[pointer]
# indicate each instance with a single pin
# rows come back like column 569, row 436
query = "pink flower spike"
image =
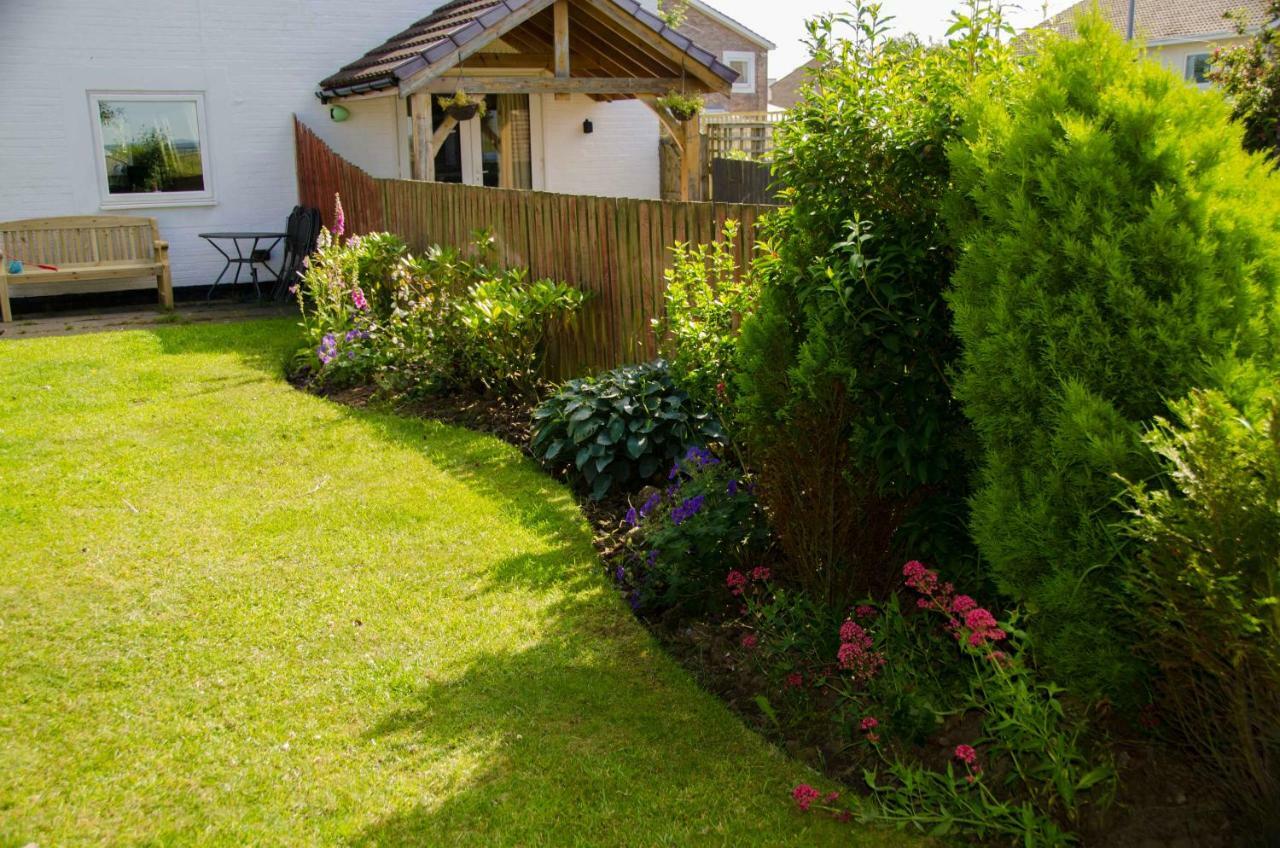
column 750, row 641
column 865, row 611
column 339, row 219
column 869, row 723
column 358, row 298
column 735, row 580
column 795, row 680
column 962, row 604
column 966, row 754
column 760, row 572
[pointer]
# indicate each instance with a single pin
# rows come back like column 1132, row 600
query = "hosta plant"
column 621, row 429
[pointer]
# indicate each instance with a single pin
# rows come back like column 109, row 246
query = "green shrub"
column 1207, row 593
column 443, row 321
column 705, row 521
column 621, row 429
column 845, row 403
column 1116, row 243
column 706, row 296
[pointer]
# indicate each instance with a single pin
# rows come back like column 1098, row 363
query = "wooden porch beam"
column 543, row 85
column 664, row 117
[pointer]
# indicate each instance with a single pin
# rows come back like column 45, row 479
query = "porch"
column 523, row 59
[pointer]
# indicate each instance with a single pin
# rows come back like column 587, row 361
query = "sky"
column 782, row 21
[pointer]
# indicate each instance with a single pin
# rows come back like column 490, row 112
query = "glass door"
column 505, row 138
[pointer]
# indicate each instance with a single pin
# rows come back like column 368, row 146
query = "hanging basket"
column 683, row 115
column 463, row 112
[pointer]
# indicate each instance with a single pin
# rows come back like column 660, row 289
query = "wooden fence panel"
column 615, row 249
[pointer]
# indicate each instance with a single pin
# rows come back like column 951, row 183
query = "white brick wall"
column 258, row 62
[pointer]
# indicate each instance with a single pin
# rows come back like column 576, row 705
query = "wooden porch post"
column 422, row 151
column 691, row 160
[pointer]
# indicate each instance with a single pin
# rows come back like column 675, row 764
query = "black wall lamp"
column 587, row 127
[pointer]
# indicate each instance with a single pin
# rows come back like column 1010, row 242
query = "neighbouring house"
column 785, row 92
column 737, row 46
column 182, row 110
column 1182, row 34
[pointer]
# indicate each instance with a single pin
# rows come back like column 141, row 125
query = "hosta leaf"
column 581, row 459
column 636, row 446
column 556, row 447
column 601, row 486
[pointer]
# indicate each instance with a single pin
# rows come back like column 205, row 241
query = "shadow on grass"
column 263, row 344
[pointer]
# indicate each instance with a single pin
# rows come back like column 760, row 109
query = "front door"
column 495, row 149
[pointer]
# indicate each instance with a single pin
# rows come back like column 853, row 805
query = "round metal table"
column 237, row 255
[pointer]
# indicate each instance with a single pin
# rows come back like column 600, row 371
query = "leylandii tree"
column 1117, row 248
column 844, row 399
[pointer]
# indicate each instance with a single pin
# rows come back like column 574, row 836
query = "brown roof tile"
column 1162, row 20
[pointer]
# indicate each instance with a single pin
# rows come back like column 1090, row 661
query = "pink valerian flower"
column 750, row 641
column 982, row 627
column 961, row 604
column 869, row 723
column 795, row 680
column 864, row 611
column 920, row 578
column 339, row 219
column 358, row 298
column 967, row 755
column 736, row 581
column 805, row 795
column 856, row 654
column 760, row 572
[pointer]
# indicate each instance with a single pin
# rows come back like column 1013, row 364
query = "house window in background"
column 152, row 149
column 745, row 64
column 1198, row 68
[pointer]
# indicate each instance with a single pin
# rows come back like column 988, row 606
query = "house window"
column 745, row 64
column 152, row 149
column 1198, row 68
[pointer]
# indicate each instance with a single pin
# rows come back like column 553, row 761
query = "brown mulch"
column 1163, row 800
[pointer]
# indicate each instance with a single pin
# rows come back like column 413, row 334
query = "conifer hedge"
column 1117, row 248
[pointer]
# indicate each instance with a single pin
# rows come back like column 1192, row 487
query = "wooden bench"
column 91, row 253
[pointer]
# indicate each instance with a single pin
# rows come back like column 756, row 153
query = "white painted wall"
column 257, row 63
column 618, row 159
column 1174, row 56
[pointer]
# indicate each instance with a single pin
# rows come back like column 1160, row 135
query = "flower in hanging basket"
column 683, row 107
column 462, row 106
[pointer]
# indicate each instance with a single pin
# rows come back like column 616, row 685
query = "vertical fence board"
column 616, row 250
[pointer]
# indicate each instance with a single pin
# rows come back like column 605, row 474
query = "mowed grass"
column 235, row 614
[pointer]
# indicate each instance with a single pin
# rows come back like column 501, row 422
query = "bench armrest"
column 161, row 244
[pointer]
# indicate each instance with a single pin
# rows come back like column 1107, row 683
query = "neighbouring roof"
column 732, row 23
column 462, row 27
column 1158, row 21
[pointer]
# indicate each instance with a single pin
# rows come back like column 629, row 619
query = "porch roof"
column 612, row 40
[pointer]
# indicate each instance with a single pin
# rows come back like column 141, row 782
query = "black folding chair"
column 301, row 234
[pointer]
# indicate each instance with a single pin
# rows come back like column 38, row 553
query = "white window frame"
column 746, row 83
column 1189, row 68
column 156, row 198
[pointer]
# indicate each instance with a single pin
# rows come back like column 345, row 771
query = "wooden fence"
column 615, row 249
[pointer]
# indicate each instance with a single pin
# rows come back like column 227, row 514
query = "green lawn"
column 232, row 614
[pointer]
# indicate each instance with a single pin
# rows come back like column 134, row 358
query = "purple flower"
column 675, row 472
column 687, row 510
column 634, row 599
column 733, row 488
column 632, row 518
column 358, row 298
column 356, row 335
column 328, row 349
column 620, row 574
column 652, row 558
column 650, row 505
column 702, row 456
